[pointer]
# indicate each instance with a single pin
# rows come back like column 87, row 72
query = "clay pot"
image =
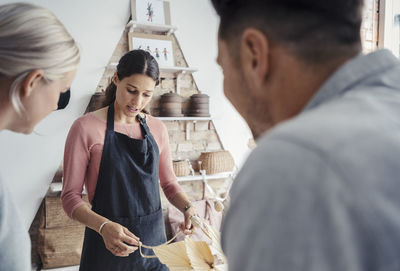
column 171, row 98
column 199, row 105
column 170, row 105
column 200, row 98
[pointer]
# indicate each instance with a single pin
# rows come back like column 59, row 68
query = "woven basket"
column 181, row 167
column 60, row 239
column 216, row 162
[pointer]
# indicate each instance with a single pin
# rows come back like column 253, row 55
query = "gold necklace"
column 130, row 134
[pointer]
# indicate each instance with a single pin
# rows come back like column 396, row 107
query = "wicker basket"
column 216, row 162
column 181, row 167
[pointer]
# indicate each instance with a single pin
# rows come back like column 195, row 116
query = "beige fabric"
column 205, row 209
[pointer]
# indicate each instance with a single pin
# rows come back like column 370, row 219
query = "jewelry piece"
column 130, row 134
column 187, row 207
column 102, row 225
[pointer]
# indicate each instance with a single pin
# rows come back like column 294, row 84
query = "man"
column 320, row 191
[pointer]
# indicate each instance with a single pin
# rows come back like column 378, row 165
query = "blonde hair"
column 31, row 37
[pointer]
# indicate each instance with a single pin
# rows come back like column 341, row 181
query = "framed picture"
column 159, row 46
column 151, row 11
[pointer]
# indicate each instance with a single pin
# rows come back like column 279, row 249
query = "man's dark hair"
column 313, row 30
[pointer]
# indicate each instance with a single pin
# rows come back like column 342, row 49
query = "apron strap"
column 143, row 124
column 110, row 117
column 146, row 132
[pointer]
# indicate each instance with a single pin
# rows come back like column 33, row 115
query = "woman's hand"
column 119, row 240
column 186, row 226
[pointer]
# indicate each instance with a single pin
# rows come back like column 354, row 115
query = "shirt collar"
column 352, row 73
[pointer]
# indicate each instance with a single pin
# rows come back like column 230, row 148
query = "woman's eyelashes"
column 132, row 91
column 135, row 91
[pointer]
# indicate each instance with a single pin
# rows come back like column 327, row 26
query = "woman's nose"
column 137, row 100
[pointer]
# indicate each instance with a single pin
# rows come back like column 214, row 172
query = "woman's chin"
column 22, row 130
column 21, row 127
column 28, row 130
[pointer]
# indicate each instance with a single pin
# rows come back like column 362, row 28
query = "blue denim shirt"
column 321, row 192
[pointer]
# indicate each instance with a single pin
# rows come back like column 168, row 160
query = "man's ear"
column 254, row 54
column 32, row 80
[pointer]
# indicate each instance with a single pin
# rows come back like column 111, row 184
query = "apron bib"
column 127, row 192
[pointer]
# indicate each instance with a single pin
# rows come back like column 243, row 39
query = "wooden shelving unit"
column 175, row 69
column 166, row 29
column 57, row 187
column 199, row 177
column 185, row 118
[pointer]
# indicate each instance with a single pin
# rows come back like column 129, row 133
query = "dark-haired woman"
column 120, row 154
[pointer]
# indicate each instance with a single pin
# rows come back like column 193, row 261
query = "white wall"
column 389, row 36
column 28, row 163
column 197, row 34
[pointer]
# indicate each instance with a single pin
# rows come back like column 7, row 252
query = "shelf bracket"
column 131, row 26
column 187, row 130
column 187, row 126
column 178, row 82
column 171, row 31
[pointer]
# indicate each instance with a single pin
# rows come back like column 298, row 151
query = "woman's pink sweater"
column 82, row 156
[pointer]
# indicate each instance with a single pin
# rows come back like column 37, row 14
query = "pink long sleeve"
column 168, row 180
column 76, row 159
column 83, row 151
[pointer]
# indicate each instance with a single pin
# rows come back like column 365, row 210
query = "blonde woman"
column 38, row 61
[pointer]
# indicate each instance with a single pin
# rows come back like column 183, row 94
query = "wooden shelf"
column 177, row 70
column 168, row 29
column 185, row 118
column 199, row 177
column 57, row 187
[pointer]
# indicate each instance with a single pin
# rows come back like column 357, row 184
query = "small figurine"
column 165, row 52
column 150, row 12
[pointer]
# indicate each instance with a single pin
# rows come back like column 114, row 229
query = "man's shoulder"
column 352, row 136
column 341, row 123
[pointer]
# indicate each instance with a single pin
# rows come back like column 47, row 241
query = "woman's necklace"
column 129, row 132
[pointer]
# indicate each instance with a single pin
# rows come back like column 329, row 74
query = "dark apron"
column 127, row 193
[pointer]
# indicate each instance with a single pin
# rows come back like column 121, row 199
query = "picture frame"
column 161, row 47
column 151, row 11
